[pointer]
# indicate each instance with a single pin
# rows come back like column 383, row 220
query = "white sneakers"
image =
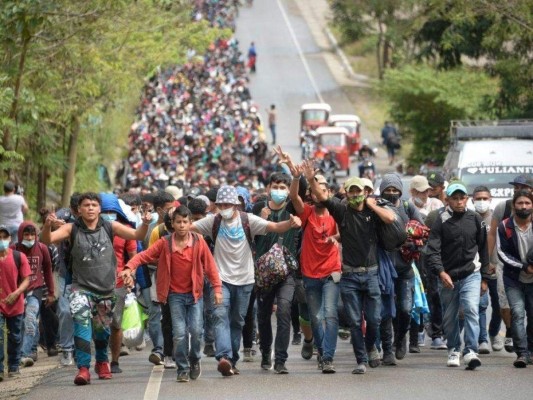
column 471, row 359
column 454, row 359
column 484, row 348
column 496, row 342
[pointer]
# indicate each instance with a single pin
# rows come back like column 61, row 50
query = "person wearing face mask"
column 232, row 239
column 457, row 236
column 125, row 249
column 503, row 210
column 41, row 278
column 482, row 199
column 420, row 188
column 391, row 190
column 14, row 279
column 275, row 210
column 515, row 245
column 358, row 220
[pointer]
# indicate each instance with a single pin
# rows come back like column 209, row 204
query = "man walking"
column 457, row 235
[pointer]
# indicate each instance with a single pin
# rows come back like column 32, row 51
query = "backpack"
column 74, row 232
column 274, row 266
column 245, row 225
column 16, row 256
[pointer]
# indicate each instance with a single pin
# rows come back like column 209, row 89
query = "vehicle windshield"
column 497, row 183
column 351, row 126
column 332, row 140
column 315, row 115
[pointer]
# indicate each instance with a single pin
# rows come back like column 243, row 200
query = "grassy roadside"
column 370, row 106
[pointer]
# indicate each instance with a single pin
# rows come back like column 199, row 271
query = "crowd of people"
column 212, row 236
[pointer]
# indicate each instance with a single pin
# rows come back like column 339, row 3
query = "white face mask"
column 228, row 213
column 481, row 206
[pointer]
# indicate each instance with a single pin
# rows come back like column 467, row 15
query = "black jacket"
column 508, row 251
column 454, row 240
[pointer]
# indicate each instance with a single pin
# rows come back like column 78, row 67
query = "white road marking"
column 300, row 53
column 154, row 383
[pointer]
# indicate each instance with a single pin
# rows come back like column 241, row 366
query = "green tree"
column 423, row 101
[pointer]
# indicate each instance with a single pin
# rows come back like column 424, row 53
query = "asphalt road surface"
column 290, row 72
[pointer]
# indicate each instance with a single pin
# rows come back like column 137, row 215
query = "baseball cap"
column 454, row 187
column 321, row 179
column 435, row 179
column 4, row 228
column 175, row 191
column 227, row 195
column 526, row 180
column 368, row 183
column 420, row 183
column 357, row 182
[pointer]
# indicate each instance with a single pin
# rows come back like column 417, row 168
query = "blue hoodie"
column 245, row 194
column 110, row 203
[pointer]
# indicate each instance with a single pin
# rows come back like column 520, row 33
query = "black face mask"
column 393, row 198
column 523, row 214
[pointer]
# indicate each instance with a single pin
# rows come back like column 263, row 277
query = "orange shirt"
column 318, row 259
column 181, row 267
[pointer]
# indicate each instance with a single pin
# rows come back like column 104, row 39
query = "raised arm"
column 60, row 234
column 125, row 232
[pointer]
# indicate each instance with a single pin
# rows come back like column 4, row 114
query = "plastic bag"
column 132, row 322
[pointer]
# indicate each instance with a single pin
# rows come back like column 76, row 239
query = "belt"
column 346, row 269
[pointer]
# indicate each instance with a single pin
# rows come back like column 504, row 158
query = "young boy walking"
column 183, row 259
column 14, row 280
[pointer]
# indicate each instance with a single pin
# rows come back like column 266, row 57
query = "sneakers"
column 13, row 373
column 266, row 360
column 52, row 351
column 484, row 348
column 438, row 344
column 413, row 348
column 508, row 344
column 520, row 362
column 247, row 355
column 183, row 376
column 360, row 369
column 373, row 358
column 344, row 334
column 421, row 339
column 156, row 359
column 281, row 369
column 141, row 346
column 169, row 363
column 26, row 362
column 389, row 359
column 496, row 342
column 209, row 350
column 103, row 370
column 328, row 367
column 401, row 349
column 454, row 359
column 319, row 362
column 471, row 360
column 124, row 351
column 115, row 369
column 67, row 358
column 83, row 377
column 235, row 370
column 297, row 339
column 33, row 356
column 196, row 370
column 307, row 350
column 224, row 367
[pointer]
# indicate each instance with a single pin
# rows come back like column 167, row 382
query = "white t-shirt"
column 11, row 210
column 233, row 255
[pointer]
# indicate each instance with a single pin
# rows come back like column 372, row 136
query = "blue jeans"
column 360, row 292
column 66, row 324
column 209, row 334
column 228, row 320
column 283, row 293
column 31, row 325
column 465, row 295
column 404, row 289
column 154, row 322
column 187, row 319
column 322, row 299
column 14, row 341
column 521, row 302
